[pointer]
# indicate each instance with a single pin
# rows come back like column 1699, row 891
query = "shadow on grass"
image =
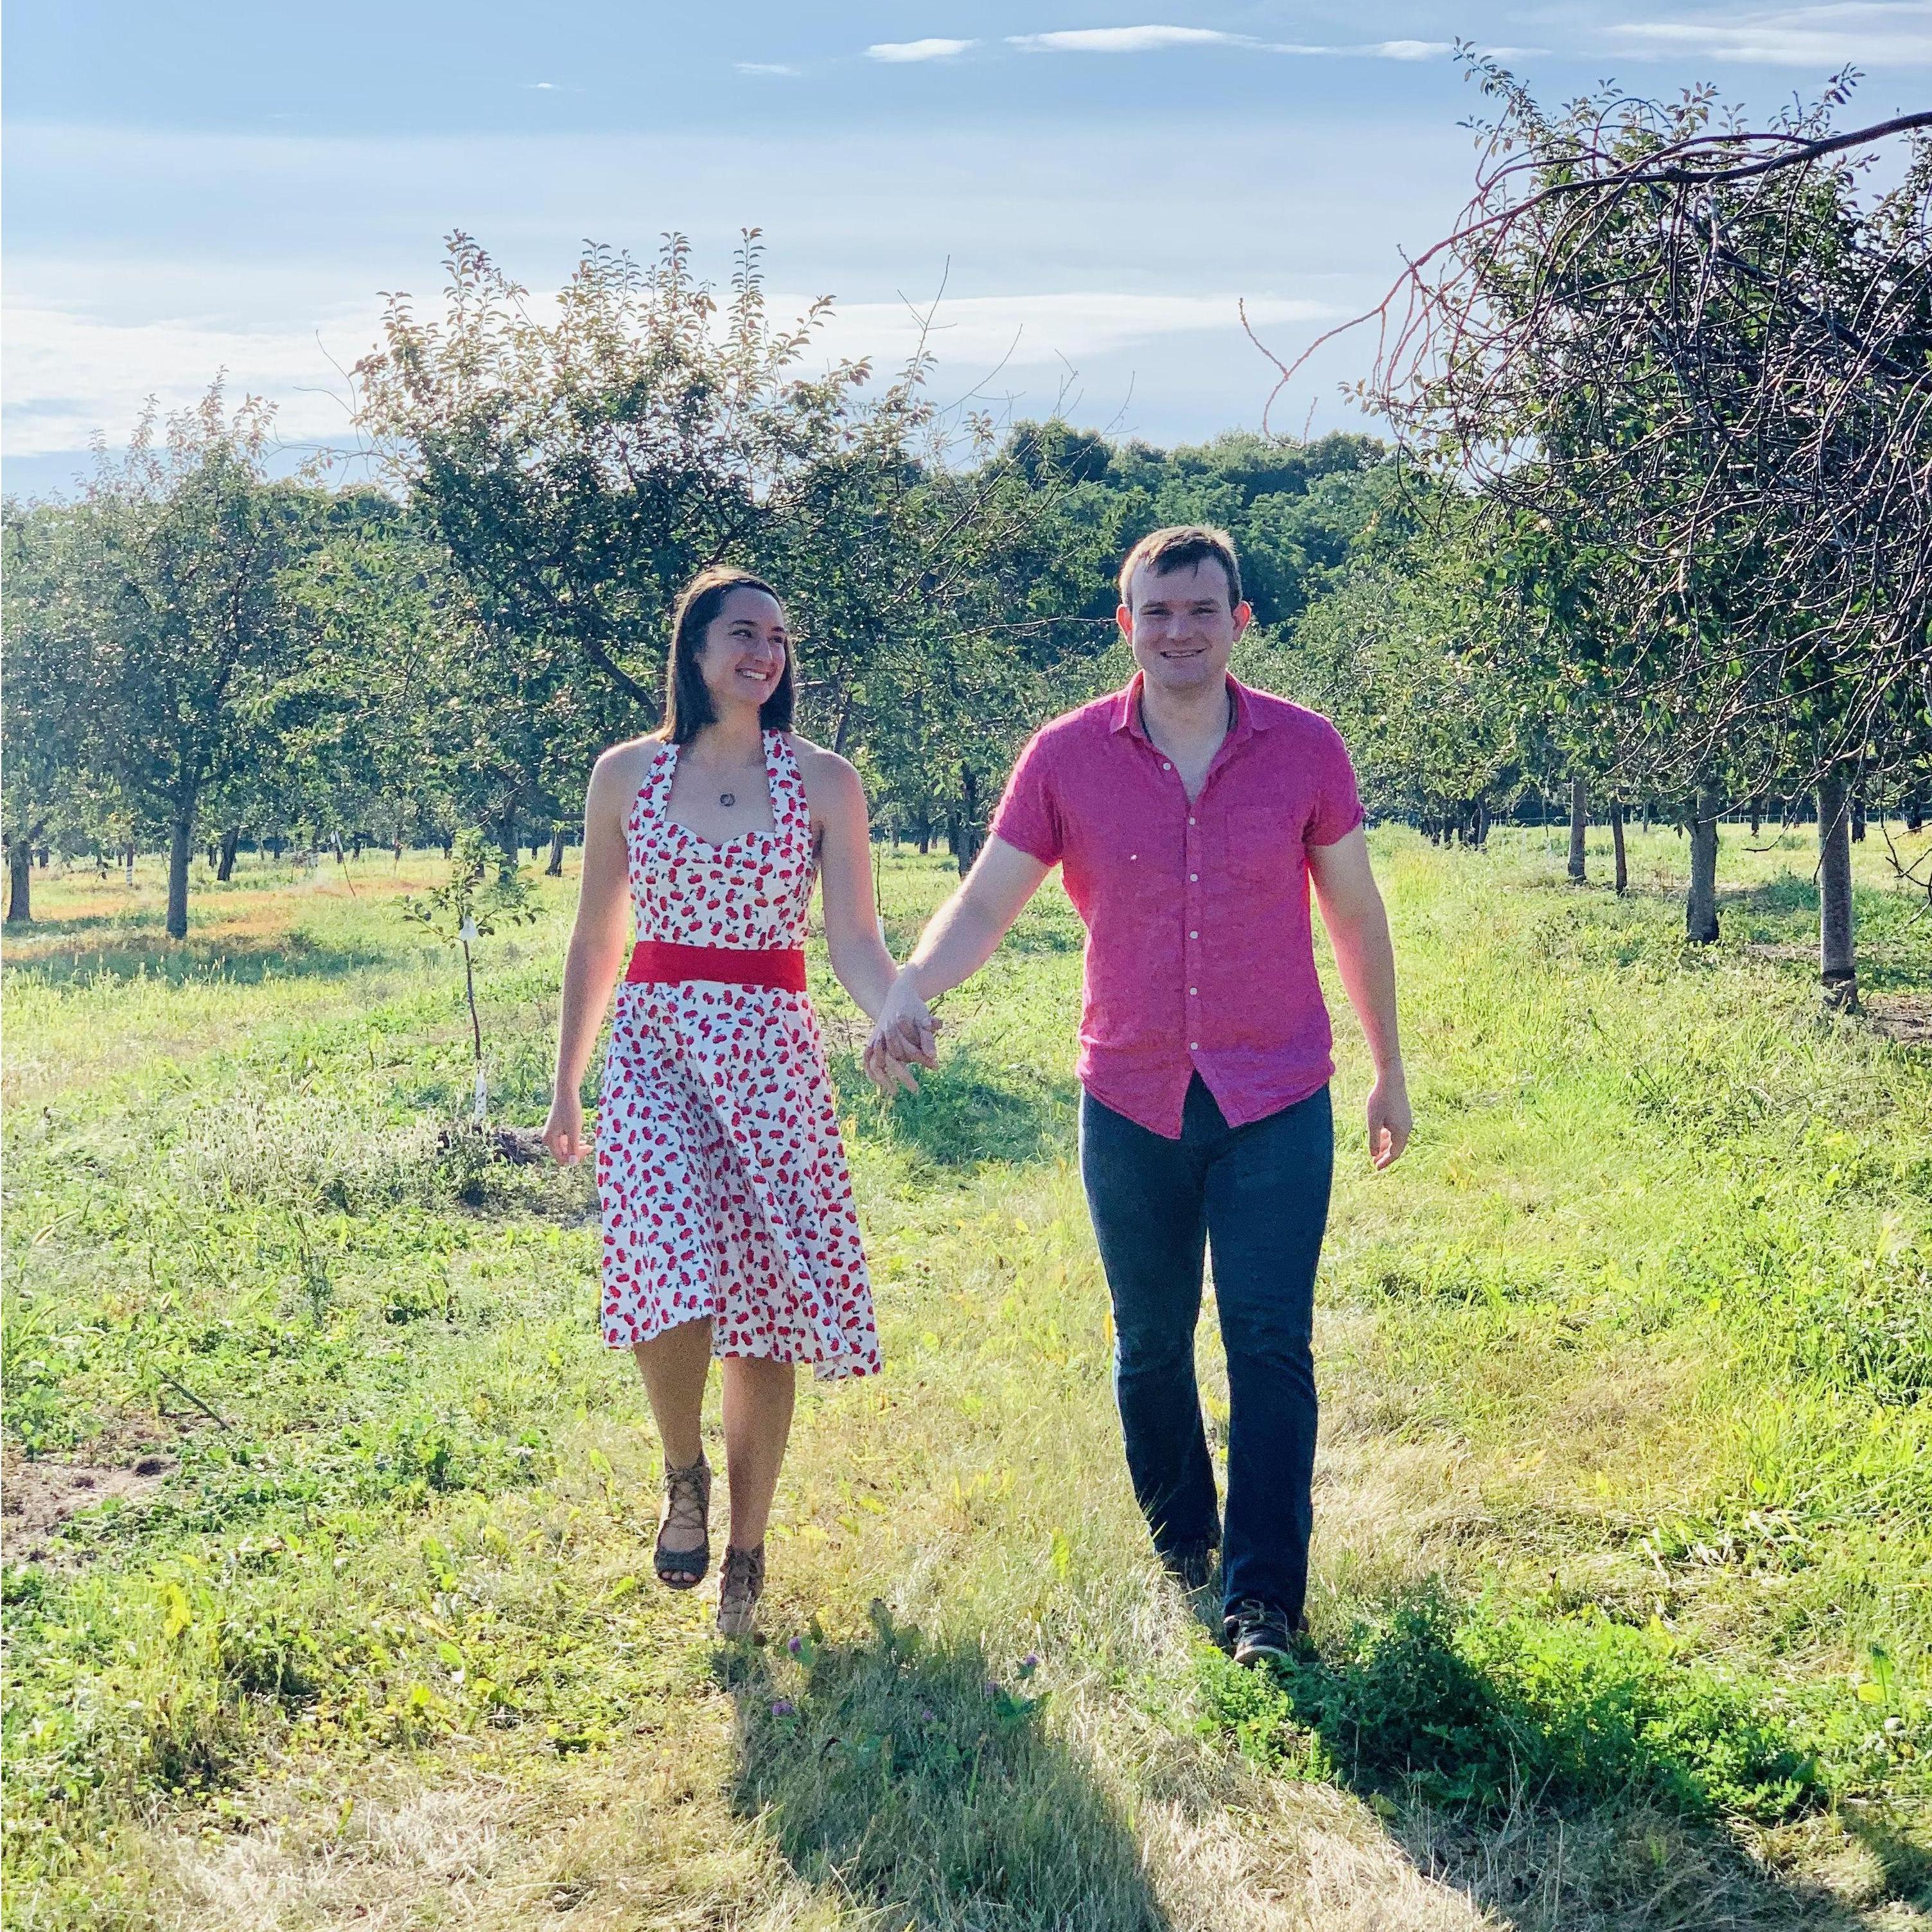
column 1491, row 1745
column 136, row 954
column 896, row 1772
column 969, row 1113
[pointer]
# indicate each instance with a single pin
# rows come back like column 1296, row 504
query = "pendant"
column 727, row 798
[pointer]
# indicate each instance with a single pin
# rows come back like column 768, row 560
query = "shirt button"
column 1165, row 766
column 1194, row 1046
column 1194, row 935
column 1191, row 818
column 1194, row 992
column 1194, row 878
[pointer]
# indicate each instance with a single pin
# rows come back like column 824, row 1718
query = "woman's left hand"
column 886, row 1071
column 563, row 1132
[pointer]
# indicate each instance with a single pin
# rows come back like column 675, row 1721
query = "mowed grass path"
column 1624, row 1505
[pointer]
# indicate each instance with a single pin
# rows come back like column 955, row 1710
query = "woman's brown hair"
column 687, row 698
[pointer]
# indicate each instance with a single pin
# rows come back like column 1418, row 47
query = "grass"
column 1624, row 1507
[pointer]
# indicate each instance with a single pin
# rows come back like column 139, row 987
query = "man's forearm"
column 1365, row 956
column 960, row 939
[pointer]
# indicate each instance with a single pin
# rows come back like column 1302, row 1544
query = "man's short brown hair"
column 1180, row 548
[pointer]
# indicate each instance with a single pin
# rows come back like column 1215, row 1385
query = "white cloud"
column 971, row 334
column 899, row 52
column 1152, row 40
column 1866, row 33
column 70, row 375
column 763, row 66
column 1123, row 40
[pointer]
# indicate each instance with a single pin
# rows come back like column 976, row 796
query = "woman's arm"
column 596, row 944
column 859, row 958
column 857, row 947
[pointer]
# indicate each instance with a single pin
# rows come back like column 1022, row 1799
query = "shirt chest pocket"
column 1259, row 845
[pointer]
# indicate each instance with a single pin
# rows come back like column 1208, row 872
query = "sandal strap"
column 687, row 1502
column 742, row 1574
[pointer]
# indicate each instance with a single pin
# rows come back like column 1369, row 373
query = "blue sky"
column 192, row 187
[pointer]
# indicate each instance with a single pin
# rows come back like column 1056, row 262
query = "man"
column 1189, row 814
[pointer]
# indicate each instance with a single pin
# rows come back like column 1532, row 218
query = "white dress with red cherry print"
column 723, row 1181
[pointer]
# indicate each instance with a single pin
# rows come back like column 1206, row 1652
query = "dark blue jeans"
column 1258, row 1194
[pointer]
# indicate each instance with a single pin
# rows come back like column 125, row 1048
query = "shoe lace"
column 687, row 1499
column 744, row 1574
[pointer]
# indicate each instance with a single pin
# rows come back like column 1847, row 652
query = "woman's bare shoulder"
column 627, row 763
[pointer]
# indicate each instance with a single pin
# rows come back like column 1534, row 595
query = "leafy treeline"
column 1679, row 374
column 1656, row 535
column 200, row 656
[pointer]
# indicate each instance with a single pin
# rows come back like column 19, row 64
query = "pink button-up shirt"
column 1199, row 952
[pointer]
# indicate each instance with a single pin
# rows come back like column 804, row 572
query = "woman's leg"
column 674, row 1365
column 758, row 1396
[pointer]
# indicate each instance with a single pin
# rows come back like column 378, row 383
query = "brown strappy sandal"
column 741, row 1581
column 687, row 1508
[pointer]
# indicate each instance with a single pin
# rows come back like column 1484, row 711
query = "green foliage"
column 1583, row 1366
column 464, row 907
column 1489, row 1710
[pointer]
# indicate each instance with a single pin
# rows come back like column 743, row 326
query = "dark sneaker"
column 1191, row 1564
column 1255, row 1631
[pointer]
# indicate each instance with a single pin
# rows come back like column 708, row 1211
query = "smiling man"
column 1190, row 814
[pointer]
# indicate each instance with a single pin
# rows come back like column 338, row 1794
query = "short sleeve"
column 1028, row 818
column 1335, row 806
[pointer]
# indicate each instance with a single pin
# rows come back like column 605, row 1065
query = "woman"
column 728, row 1223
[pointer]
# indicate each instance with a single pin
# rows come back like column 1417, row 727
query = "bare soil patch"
column 36, row 1498
column 1905, row 1016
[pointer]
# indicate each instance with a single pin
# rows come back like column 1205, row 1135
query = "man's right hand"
column 905, row 1028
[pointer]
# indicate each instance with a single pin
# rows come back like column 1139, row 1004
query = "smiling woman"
column 727, row 1213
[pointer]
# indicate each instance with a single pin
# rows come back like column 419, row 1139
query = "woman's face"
column 745, row 647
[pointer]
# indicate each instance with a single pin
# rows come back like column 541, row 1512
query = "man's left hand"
column 1389, row 1119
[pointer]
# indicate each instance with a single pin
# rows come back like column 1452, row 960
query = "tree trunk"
column 275, row 848
column 181, row 850
column 1700, row 909
column 1580, row 820
column 1482, row 823
column 231, row 840
column 506, row 835
column 1837, row 964
column 555, row 868
column 966, row 840
column 1757, row 817
column 1915, row 815
column 19, row 882
column 128, row 863
column 1858, row 818
column 1617, row 846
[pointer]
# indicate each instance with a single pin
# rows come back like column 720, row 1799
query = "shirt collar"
column 1249, row 716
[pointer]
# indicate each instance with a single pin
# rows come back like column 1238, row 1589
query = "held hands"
column 903, row 1035
column 1390, row 1118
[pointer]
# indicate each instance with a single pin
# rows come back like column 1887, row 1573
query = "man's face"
column 1179, row 625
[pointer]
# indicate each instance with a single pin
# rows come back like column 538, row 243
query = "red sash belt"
column 659, row 961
